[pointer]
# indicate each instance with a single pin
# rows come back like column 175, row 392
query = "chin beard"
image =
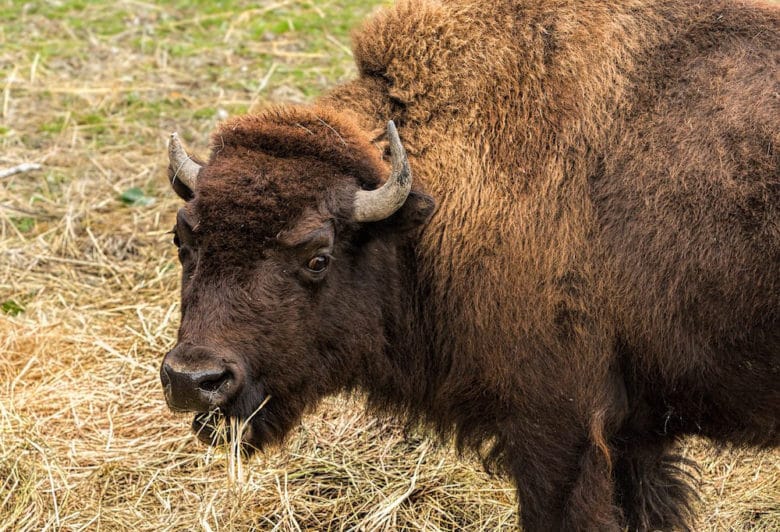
column 257, row 420
column 217, row 430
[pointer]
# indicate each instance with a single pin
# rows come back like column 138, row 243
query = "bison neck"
column 439, row 367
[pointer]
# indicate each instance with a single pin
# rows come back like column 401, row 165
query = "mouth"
column 220, row 428
column 213, row 428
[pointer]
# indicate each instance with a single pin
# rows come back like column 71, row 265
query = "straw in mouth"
column 217, row 428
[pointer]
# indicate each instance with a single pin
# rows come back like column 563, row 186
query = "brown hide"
column 601, row 275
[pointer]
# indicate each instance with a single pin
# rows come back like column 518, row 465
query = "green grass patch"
column 91, row 119
column 11, row 307
column 135, row 197
column 24, row 224
column 204, row 113
column 53, row 126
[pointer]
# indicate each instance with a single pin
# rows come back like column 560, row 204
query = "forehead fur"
column 266, row 169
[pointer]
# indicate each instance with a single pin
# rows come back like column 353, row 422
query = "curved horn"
column 184, row 169
column 375, row 205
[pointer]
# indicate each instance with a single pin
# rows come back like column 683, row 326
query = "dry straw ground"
column 88, row 288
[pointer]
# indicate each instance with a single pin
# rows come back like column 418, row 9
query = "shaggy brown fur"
column 602, row 273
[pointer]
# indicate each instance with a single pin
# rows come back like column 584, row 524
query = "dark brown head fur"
column 265, row 170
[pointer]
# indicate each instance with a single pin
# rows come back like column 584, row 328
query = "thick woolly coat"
column 608, row 188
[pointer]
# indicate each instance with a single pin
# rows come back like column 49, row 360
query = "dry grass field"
column 89, row 304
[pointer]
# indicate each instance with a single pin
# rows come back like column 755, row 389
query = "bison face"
column 289, row 271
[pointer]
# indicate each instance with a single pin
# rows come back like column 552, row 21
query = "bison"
column 566, row 257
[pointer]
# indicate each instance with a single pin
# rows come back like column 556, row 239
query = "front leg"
column 655, row 487
column 564, row 482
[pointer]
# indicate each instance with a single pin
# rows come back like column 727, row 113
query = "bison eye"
column 318, row 264
column 176, row 239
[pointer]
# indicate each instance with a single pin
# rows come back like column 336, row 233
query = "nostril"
column 212, row 384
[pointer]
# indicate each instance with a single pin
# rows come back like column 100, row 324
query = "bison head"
column 291, row 242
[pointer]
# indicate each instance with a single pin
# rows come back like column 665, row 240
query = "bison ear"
column 415, row 212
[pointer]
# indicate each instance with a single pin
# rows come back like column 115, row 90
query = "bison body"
column 599, row 277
